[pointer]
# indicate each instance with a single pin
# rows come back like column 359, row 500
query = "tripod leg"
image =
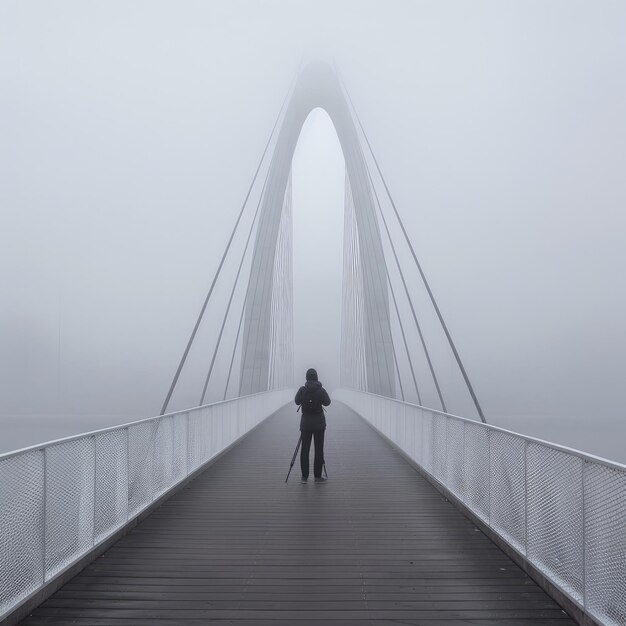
column 293, row 458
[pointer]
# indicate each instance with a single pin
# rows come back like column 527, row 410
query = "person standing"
column 312, row 398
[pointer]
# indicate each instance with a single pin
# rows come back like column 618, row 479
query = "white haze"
column 129, row 132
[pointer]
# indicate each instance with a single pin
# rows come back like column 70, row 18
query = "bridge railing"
column 59, row 500
column 562, row 510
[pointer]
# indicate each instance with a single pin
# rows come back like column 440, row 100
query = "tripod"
column 293, row 458
column 295, row 454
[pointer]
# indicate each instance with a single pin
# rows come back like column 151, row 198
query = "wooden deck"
column 376, row 544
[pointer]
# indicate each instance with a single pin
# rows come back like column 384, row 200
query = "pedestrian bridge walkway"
column 178, row 520
column 376, row 544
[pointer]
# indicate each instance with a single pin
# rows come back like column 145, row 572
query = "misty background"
column 129, row 133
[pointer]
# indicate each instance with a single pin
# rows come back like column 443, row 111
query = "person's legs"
column 304, row 452
column 319, row 453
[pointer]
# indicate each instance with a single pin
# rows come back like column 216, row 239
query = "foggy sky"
column 130, row 132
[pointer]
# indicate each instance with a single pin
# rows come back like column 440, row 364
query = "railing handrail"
column 549, row 444
column 106, row 429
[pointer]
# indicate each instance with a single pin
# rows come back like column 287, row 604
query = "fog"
column 129, row 133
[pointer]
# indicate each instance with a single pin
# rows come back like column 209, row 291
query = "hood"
column 312, row 385
column 311, row 374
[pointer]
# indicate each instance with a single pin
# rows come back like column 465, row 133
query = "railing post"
column 526, row 498
column 186, row 444
column 422, row 446
column 151, row 452
column 43, row 516
column 584, row 525
column 444, row 476
column 127, row 429
column 95, row 482
column 489, row 477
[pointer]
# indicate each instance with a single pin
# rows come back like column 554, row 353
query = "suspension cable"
column 372, row 309
column 232, row 360
column 395, row 360
column 393, row 347
column 232, row 293
column 352, row 365
column 406, row 345
column 419, row 267
column 408, row 295
column 219, row 268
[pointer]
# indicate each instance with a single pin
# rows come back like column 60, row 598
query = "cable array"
column 374, row 314
column 218, row 272
column 281, row 323
column 352, row 353
column 348, row 292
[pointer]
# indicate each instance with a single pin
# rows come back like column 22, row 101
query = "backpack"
column 311, row 401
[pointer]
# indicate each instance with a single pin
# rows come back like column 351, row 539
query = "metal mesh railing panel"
column 605, row 543
column 554, row 509
column 197, row 443
column 141, row 441
column 428, row 448
column 21, row 521
column 163, row 457
column 206, row 427
column 216, row 429
column 234, row 426
column 455, row 436
column 508, row 488
column 410, row 426
column 475, row 470
column 227, row 439
column 419, row 435
column 390, row 421
column 193, row 451
column 179, row 452
column 70, row 476
column 439, row 449
column 111, row 491
column 397, row 422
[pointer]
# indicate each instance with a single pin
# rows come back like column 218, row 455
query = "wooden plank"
column 377, row 544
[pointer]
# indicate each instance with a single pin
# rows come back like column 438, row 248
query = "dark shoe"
column 320, row 479
column 303, row 480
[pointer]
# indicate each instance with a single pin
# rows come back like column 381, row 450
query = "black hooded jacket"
column 313, row 421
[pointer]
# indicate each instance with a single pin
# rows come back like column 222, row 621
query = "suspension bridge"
column 428, row 518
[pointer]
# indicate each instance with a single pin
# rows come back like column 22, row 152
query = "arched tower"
column 318, row 86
